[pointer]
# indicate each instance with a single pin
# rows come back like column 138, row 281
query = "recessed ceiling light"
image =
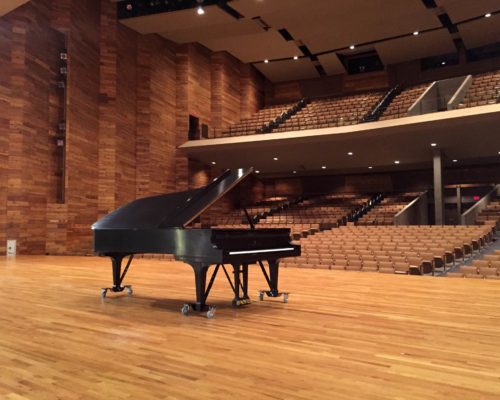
column 213, row 163
column 443, row 63
column 396, row 162
column 257, row 172
column 266, row 60
column 352, row 47
column 200, row 10
column 433, row 144
column 416, row 33
column 455, row 160
column 370, row 167
column 275, row 158
column 350, row 153
column 294, row 172
column 295, row 57
column 487, row 15
column 323, row 167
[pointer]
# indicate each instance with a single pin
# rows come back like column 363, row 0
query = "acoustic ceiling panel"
column 481, row 32
column 458, row 10
column 254, row 47
column 414, row 47
column 288, row 70
column 331, row 64
column 324, row 25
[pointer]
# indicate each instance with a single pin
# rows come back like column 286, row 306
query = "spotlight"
column 323, row 167
column 487, row 15
column 275, row 158
column 416, row 33
column 433, row 144
column 396, row 162
column 370, row 167
column 200, row 10
column 213, row 163
column 443, row 62
column 352, row 47
column 257, row 172
column 266, row 61
column 350, row 153
column 455, row 160
column 295, row 57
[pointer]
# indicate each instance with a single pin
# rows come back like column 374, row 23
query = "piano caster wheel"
column 104, row 292
column 285, row 297
column 261, row 296
column 129, row 290
column 211, row 312
column 185, row 309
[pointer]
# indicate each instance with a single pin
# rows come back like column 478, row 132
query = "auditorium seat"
column 399, row 106
column 484, row 90
column 384, row 212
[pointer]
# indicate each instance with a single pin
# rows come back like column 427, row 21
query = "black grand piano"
column 158, row 225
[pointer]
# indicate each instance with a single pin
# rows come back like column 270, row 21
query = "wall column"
column 438, row 187
column 459, row 204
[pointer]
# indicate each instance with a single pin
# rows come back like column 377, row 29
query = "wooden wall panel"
column 83, row 124
column 129, row 99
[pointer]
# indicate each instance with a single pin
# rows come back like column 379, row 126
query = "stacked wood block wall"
column 128, row 106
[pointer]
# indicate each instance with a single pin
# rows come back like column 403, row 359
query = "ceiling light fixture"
column 257, row 172
column 396, row 162
column 200, row 10
column 213, row 163
column 443, row 63
column 487, row 15
column 370, row 167
column 275, row 158
column 323, row 167
column 352, row 47
column 266, row 61
column 350, row 153
column 433, row 144
column 295, row 57
column 455, row 160
column 416, row 33
column 294, row 172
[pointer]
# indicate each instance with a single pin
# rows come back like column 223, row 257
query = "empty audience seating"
column 391, row 249
column 486, row 268
column 384, row 212
column 490, row 215
column 250, row 125
column 485, row 89
column 399, row 106
column 331, row 111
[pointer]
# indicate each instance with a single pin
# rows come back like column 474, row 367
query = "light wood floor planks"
column 343, row 335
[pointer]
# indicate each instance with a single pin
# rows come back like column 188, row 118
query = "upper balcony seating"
column 331, row 111
column 485, row 89
column 398, row 108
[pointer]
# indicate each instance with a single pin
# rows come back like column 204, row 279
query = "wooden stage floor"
column 343, row 335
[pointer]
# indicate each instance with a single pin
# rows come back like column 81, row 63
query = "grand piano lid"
column 174, row 209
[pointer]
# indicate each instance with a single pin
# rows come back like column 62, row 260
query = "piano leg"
column 200, row 278
column 272, row 281
column 240, row 282
column 116, row 260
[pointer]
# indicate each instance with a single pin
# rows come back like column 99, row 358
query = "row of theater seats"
column 399, row 106
column 384, row 212
column 326, row 211
column 296, row 230
column 484, row 90
column 331, row 111
column 350, row 109
column 249, row 126
column 490, row 215
column 391, row 249
column 486, row 268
